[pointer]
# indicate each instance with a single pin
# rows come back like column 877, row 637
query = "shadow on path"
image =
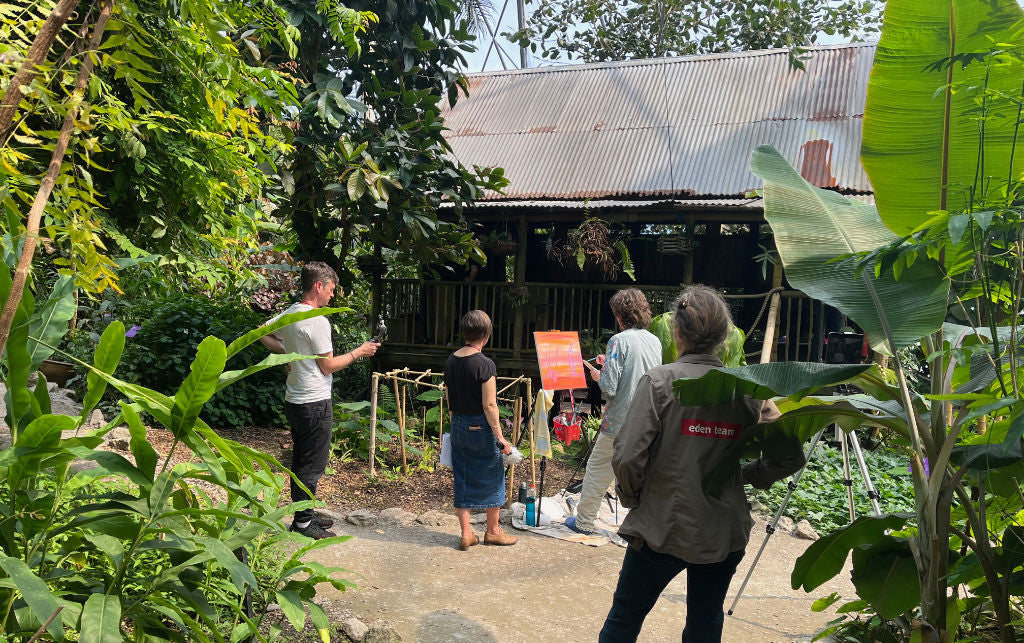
column 448, row 626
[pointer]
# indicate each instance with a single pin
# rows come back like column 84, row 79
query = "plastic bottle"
column 531, row 515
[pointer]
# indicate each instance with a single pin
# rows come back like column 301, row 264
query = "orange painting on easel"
column 560, row 361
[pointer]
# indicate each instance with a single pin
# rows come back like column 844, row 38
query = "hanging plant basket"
column 371, row 265
column 675, row 245
column 500, row 246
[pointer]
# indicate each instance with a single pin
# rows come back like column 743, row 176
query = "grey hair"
column 701, row 319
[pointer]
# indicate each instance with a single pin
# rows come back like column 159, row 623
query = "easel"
column 425, row 379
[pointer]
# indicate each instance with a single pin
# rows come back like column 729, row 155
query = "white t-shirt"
column 306, row 382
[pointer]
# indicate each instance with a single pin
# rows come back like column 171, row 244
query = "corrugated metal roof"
column 671, row 127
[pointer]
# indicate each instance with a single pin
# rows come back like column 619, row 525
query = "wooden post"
column 401, row 425
column 517, row 405
column 768, row 347
column 373, row 419
column 520, row 281
column 440, row 419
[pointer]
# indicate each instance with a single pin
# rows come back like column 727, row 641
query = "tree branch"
column 30, row 67
column 50, row 178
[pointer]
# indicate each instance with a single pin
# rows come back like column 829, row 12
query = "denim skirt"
column 476, row 464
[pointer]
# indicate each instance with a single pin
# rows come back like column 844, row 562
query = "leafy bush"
column 820, row 498
column 158, row 356
column 143, row 549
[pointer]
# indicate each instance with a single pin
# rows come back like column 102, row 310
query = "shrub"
column 158, row 356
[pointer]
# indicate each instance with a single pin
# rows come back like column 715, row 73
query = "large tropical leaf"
column 50, row 322
column 199, row 386
column 285, row 320
column 905, row 119
column 35, row 592
column 826, row 556
column 813, row 227
column 885, row 575
column 764, row 381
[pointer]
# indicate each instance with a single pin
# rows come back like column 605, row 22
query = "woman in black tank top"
column 476, row 439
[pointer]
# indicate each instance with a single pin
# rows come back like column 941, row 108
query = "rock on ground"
column 361, row 518
column 401, row 516
column 382, row 632
column 354, row 629
column 435, row 518
column 805, row 530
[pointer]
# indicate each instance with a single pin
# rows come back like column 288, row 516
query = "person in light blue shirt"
column 630, row 354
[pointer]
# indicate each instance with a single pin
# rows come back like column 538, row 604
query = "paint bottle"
column 531, row 514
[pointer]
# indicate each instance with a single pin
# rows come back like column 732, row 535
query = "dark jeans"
column 311, row 426
column 646, row 573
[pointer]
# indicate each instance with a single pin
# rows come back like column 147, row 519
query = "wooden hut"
column 660, row 150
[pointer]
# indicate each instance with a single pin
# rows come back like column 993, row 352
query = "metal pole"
column 521, row 9
column 769, row 529
column 872, row 493
column 847, row 474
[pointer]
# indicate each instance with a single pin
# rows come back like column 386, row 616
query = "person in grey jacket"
column 631, row 353
column 662, row 454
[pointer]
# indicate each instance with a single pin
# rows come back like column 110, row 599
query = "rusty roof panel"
column 667, row 127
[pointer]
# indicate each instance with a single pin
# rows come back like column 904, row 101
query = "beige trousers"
column 596, row 480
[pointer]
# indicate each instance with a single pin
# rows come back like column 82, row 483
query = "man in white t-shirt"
column 308, row 391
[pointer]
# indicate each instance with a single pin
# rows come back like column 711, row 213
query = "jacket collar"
column 699, row 358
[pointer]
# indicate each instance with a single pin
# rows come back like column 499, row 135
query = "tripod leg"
column 847, row 474
column 769, row 529
column 872, row 493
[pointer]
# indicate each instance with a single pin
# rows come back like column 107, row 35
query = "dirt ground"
column 545, row 590
column 540, row 590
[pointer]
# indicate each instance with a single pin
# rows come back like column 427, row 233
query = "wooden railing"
column 426, row 314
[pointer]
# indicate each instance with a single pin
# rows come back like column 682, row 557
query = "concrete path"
column 546, row 590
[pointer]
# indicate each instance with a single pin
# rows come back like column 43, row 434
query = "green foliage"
column 814, row 227
column 931, row 52
column 125, row 548
column 595, row 30
column 380, row 179
column 730, row 352
column 962, row 215
column 820, row 497
column 168, row 141
column 159, row 357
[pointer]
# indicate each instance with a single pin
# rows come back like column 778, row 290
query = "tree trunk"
column 30, row 67
column 46, row 185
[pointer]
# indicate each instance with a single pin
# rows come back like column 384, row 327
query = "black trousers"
column 311, row 426
column 645, row 574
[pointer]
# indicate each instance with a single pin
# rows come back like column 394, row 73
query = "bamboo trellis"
column 508, row 392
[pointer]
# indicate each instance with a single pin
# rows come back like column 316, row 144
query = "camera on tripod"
column 845, row 348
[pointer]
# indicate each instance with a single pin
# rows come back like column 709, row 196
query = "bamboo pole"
column 440, row 419
column 373, row 419
column 515, row 440
column 401, row 424
column 767, row 348
column 423, row 423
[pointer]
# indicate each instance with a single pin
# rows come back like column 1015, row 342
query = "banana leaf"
column 930, row 53
column 815, row 228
